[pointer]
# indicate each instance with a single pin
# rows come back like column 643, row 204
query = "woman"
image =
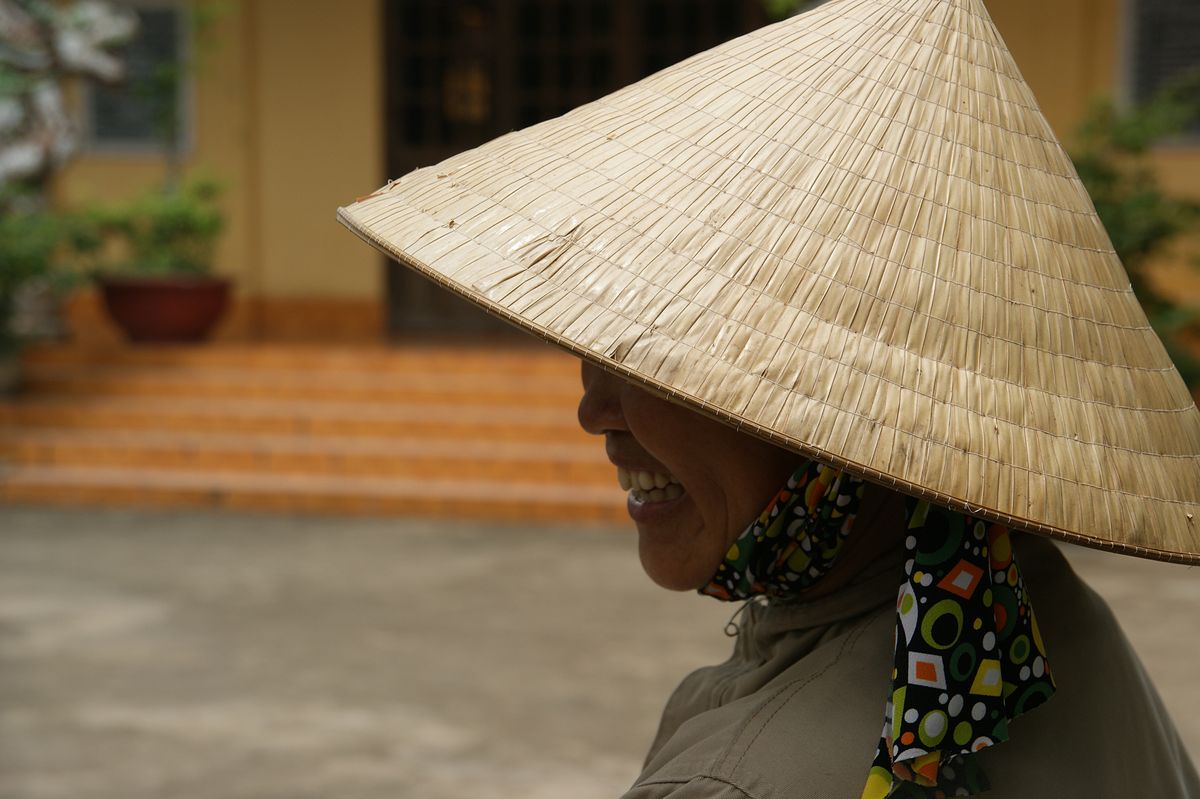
column 801, row 692
column 847, row 316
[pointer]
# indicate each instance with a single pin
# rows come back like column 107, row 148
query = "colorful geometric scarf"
column 969, row 657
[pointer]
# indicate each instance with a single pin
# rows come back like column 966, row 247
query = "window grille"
column 460, row 72
column 130, row 114
column 1166, row 47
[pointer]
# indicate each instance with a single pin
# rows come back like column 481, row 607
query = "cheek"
column 750, row 472
column 681, row 440
column 729, row 476
column 676, row 441
column 661, row 428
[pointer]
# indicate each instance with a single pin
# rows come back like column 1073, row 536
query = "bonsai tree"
column 153, row 260
column 172, row 229
column 162, row 233
column 42, row 45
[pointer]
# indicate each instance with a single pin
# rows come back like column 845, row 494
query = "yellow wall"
column 1072, row 52
column 1066, row 49
column 288, row 114
column 319, row 125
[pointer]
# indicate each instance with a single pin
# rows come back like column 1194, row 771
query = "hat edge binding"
column 347, row 219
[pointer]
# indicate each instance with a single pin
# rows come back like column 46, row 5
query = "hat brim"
column 892, row 268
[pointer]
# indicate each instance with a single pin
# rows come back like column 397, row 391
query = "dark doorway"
column 461, row 72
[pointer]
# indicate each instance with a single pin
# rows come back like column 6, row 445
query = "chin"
column 665, row 568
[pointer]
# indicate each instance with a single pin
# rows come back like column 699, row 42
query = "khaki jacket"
column 797, row 711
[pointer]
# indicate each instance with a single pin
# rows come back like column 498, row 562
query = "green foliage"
column 1143, row 220
column 35, row 243
column 172, row 232
column 12, row 82
column 25, row 244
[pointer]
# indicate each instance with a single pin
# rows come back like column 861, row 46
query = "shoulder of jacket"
column 811, row 730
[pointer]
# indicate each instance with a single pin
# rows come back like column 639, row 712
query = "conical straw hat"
column 852, row 233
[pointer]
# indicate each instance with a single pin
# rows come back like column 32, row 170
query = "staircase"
column 454, row 431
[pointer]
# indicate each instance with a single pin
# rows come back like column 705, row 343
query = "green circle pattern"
column 959, row 693
column 946, row 609
column 943, row 669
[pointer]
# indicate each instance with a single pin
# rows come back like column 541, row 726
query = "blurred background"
column 279, row 518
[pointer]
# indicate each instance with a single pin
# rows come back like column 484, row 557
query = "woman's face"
column 694, row 483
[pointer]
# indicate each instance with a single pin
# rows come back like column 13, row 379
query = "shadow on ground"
column 154, row 654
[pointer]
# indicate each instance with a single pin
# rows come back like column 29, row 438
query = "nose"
column 600, row 406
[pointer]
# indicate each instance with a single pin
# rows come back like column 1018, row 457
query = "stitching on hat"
column 904, row 388
column 485, row 200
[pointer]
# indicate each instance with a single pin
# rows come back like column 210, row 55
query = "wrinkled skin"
column 728, row 478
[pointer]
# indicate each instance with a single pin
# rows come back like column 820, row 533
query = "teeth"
column 649, row 486
column 644, row 484
column 672, row 491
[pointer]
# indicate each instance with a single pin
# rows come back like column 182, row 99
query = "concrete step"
column 297, row 454
column 509, row 500
column 459, row 430
column 316, row 417
column 427, row 387
column 450, row 358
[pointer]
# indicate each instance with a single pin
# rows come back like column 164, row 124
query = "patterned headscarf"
column 969, row 657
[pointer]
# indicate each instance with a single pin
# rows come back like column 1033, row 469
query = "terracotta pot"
column 165, row 308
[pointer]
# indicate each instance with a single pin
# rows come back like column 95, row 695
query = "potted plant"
column 43, row 47
column 154, row 269
column 154, row 263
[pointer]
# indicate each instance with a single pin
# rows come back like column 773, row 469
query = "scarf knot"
column 969, row 656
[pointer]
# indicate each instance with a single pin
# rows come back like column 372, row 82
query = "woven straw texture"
column 852, row 233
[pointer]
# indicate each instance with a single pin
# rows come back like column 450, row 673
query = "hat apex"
column 853, row 233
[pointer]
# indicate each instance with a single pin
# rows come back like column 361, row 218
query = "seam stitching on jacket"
column 698, row 778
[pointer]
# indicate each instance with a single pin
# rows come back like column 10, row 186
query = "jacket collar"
column 876, row 585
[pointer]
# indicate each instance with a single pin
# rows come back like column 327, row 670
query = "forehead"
column 673, row 410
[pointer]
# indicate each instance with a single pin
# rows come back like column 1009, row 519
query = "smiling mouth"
column 645, row 487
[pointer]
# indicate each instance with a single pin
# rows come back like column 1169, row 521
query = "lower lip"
column 650, row 512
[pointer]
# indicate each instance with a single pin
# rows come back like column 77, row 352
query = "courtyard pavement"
column 148, row 654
